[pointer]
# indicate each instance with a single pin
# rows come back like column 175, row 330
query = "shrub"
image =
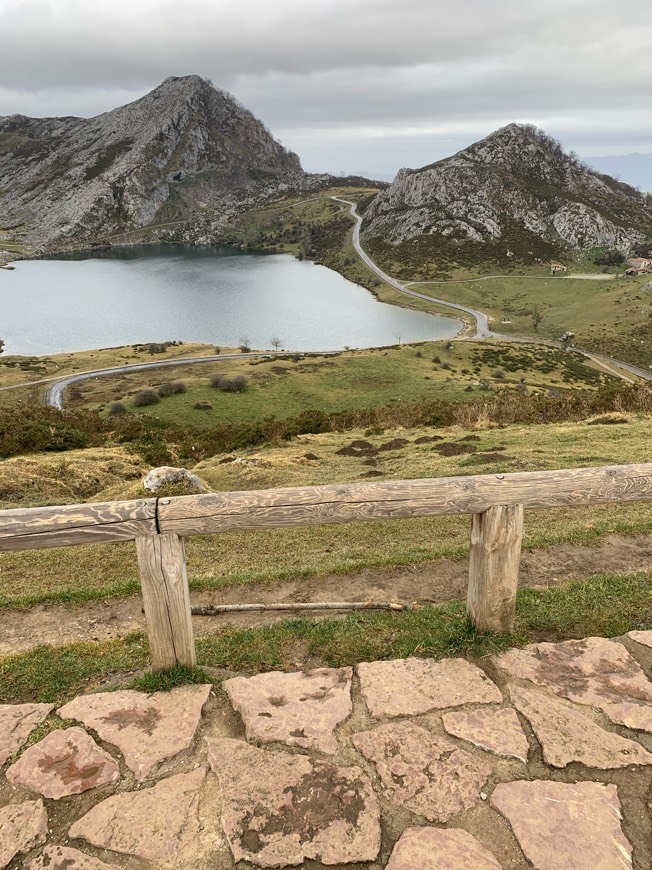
column 116, row 408
column 203, row 406
column 216, row 380
column 236, row 384
column 171, row 388
column 499, row 374
column 146, row 397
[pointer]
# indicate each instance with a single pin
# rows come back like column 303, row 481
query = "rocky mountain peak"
column 183, row 147
column 513, row 196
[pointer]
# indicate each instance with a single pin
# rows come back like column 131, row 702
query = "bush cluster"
column 229, row 383
column 171, row 388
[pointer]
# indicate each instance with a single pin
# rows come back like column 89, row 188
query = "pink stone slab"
column 300, row 709
column 64, row 858
column 159, row 824
column 593, row 671
column 17, row 721
column 407, row 687
column 280, row 809
column 424, row 773
column 496, row 730
column 65, row 762
column 22, row 827
column 561, row 825
column 644, row 637
column 147, row 729
column 568, row 734
column 436, row 849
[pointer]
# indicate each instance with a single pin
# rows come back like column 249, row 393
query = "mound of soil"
column 450, row 448
column 312, row 456
column 394, row 444
column 471, row 438
column 426, row 439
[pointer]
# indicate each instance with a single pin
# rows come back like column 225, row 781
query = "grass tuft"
column 166, row 680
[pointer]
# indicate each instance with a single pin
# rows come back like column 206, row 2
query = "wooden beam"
column 166, row 601
column 496, row 539
column 68, row 525
column 315, row 505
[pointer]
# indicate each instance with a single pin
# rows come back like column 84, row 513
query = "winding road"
column 54, row 395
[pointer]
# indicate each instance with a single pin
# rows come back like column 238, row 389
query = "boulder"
column 167, row 475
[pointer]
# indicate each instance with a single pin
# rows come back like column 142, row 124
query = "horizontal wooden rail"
column 401, row 499
column 496, row 501
column 66, row 526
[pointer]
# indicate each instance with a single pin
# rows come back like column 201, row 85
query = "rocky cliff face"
column 182, row 150
column 514, row 195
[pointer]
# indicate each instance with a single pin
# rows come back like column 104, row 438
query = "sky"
column 352, row 86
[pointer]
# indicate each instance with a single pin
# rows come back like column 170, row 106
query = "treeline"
column 160, row 442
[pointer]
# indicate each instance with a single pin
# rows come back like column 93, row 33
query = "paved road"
column 482, row 324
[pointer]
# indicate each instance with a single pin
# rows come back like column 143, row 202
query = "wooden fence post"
column 496, row 539
column 162, row 563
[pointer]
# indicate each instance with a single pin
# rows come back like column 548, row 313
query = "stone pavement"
column 540, row 757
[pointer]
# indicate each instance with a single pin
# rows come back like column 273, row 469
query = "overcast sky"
column 351, row 85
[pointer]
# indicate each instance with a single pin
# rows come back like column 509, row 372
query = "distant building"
column 639, row 262
column 558, row 267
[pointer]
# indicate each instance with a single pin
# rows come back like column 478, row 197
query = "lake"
column 213, row 295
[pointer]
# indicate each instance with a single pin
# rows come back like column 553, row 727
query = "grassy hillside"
column 286, row 387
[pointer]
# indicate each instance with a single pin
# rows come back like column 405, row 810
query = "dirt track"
column 437, row 581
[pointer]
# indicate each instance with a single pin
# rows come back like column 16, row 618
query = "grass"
column 606, row 605
column 613, row 317
column 351, row 380
column 237, row 558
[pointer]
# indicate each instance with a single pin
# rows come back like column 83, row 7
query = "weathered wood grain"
column 298, row 506
column 166, row 600
column 68, row 525
column 496, row 538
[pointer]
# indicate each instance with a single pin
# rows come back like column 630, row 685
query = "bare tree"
column 245, row 343
column 276, row 342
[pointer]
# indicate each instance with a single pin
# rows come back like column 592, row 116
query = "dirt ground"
column 437, row 581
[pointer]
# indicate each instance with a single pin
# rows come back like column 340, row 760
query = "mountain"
column 635, row 169
column 514, row 196
column 185, row 148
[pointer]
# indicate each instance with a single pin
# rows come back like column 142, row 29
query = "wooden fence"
column 159, row 525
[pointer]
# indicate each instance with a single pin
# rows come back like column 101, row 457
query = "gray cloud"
column 342, row 81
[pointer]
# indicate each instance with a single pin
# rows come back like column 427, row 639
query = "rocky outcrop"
column 514, row 195
column 185, row 149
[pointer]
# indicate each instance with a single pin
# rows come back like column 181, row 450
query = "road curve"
column 55, row 392
column 482, row 324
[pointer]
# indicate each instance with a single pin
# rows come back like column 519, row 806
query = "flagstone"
column 22, row 827
column 408, row 687
column 159, row 824
column 280, row 809
column 495, row 730
column 427, row 774
column 147, row 729
column 65, row 762
column 594, row 671
column 436, row 849
column 566, row 825
column 567, row 734
column 17, row 721
column 64, row 858
column 300, row 709
column 643, row 637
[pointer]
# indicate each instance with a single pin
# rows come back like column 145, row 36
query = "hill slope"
column 183, row 148
column 512, row 196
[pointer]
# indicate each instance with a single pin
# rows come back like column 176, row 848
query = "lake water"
column 213, row 295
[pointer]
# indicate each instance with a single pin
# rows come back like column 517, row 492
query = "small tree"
column 276, row 342
column 2, row 346
column 245, row 343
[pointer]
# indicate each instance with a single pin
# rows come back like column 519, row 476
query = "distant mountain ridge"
column 635, row 169
column 182, row 149
column 514, row 195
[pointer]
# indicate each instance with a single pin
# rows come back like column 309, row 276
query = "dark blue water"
column 213, row 295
